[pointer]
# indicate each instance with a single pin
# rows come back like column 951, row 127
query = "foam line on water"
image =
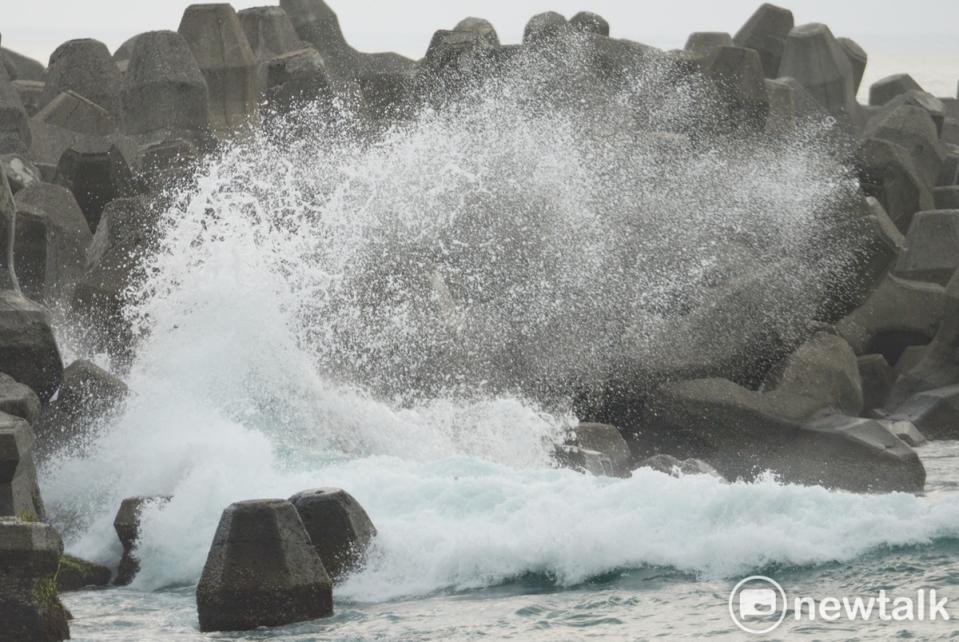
column 466, row 525
column 461, row 523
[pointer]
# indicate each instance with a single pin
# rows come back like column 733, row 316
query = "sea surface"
column 472, row 551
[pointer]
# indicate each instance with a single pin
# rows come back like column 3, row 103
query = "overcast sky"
column 920, row 37
column 36, row 27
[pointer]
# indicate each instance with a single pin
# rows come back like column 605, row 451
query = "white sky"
column 36, row 27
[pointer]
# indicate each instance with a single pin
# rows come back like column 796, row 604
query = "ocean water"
column 401, row 318
column 471, row 550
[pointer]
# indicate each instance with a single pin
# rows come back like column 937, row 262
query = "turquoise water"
column 578, row 573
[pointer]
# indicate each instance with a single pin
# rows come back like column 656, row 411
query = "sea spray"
column 495, row 245
column 400, row 311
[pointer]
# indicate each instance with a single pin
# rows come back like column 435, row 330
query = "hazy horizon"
column 913, row 41
column 372, row 26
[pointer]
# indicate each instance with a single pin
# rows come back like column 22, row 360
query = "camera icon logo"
column 757, row 604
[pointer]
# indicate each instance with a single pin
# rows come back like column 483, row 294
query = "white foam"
column 464, row 525
column 324, row 312
column 461, row 523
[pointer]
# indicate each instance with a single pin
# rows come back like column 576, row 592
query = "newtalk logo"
column 759, row 605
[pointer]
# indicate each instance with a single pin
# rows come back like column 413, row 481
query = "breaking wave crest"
column 409, row 313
